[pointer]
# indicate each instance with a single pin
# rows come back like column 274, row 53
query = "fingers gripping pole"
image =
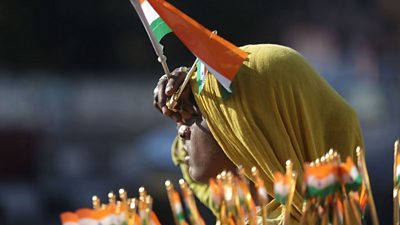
column 173, row 101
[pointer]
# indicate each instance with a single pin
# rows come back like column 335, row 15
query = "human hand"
column 165, row 88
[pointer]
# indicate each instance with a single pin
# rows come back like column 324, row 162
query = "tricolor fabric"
column 280, row 109
column 281, row 187
column 350, row 175
column 222, row 58
column 69, row 218
column 178, row 209
column 87, row 216
column 157, row 25
column 321, row 180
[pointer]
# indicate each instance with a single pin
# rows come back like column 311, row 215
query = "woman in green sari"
column 280, row 109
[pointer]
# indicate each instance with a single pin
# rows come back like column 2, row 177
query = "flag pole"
column 364, row 174
column 157, row 46
column 396, row 210
column 292, row 176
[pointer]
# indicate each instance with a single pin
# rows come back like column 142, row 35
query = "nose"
column 184, row 132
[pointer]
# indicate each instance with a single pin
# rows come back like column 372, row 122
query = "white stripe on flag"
column 322, row 182
column 71, row 223
column 226, row 83
column 87, row 221
column 281, row 189
column 149, row 12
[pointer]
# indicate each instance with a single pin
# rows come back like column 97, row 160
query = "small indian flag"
column 222, row 58
column 122, row 217
column 215, row 193
column 176, row 202
column 69, row 218
column 157, row 25
column 261, row 191
column 103, row 216
column 350, row 175
column 321, row 180
column 397, row 169
column 281, row 187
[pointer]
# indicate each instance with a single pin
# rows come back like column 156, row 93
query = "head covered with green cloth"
column 280, row 109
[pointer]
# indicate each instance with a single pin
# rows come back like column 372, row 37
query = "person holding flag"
column 279, row 109
column 257, row 105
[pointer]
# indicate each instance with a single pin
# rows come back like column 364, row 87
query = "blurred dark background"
column 76, row 83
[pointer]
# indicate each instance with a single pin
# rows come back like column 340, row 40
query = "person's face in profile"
column 205, row 157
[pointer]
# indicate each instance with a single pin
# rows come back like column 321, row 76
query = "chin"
column 198, row 177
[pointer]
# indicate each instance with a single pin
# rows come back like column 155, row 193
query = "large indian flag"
column 222, row 58
column 281, row 187
column 350, row 175
column 157, row 25
column 321, row 180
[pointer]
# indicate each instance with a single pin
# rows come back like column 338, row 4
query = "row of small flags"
column 126, row 211
column 335, row 192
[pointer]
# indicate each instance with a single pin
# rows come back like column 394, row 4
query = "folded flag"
column 222, row 58
column 157, row 25
column 281, row 187
column 321, row 180
column 350, row 175
column 69, row 218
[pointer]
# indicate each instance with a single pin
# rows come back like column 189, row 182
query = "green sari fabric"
column 280, row 109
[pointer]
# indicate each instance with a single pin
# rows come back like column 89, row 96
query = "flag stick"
column 111, row 198
column 292, row 181
column 262, row 197
column 132, row 212
column 170, row 191
column 194, row 214
column 173, row 101
column 396, row 213
column 364, row 173
column 157, row 46
column 96, row 202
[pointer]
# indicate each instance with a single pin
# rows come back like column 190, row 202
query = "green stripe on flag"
column 355, row 185
column 198, row 76
column 160, row 28
column 397, row 179
column 315, row 192
column 181, row 216
column 281, row 198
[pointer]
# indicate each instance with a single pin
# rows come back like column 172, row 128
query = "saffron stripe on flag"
column 223, row 59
